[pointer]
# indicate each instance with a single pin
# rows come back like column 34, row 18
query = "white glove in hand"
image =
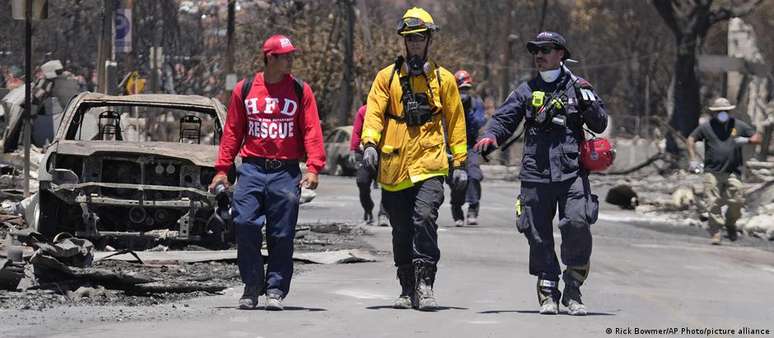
column 742, row 140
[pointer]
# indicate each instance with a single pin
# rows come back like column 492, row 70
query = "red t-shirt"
column 268, row 124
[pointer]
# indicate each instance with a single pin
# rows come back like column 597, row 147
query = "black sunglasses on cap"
column 542, row 50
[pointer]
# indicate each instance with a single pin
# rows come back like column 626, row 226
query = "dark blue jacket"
column 551, row 154
column 474, row 117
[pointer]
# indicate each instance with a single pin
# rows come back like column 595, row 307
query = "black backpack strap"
column 247, row 84
column 395, row 69
column 298, row 85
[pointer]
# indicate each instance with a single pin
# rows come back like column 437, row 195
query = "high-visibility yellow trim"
column 408, row 183
column 459, row 149
column 372, row 134
column 420, row 178
column 398, row 187
column 388, row 149
column 413, row 31
column 537, row 98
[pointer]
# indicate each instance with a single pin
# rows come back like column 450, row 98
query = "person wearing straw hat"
column 723, row 137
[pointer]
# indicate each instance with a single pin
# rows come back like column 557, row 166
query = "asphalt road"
column 643, row 278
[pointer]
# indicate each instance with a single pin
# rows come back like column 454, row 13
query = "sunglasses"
column 416, row 37
column 541, row 50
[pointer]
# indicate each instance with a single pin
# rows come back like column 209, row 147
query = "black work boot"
column 406, row 279
column 368, row 217
column 472, row 214
column 732, row 232
column 423, row 293
column 458, row 215
column 572, row 295
column 548, row 296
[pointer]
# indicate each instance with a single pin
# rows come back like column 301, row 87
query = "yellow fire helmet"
column 416, row 20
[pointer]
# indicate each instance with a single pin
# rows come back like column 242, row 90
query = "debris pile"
column 67, row 264
column 678, row 198
column 36, row 274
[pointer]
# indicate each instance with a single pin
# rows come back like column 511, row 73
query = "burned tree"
column 690, row 21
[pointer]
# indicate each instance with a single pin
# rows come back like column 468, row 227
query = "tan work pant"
column 723, row 189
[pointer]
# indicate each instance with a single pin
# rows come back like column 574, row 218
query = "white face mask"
column 550, row 75
column 723, row 117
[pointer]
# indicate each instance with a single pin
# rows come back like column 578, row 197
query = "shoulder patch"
column 583, row 83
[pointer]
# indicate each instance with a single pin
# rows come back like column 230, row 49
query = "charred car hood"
column 199, row 154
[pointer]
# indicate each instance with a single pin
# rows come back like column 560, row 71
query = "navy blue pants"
column 578, row 209
column 413, row 213
column 471, row 193
column 364, row 178
column 475, row 176
column 271, row 196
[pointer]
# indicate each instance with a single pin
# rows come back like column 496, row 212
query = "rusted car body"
column 133, row 165
column 337, row 152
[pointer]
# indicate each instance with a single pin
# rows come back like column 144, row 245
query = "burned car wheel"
column 48, row 215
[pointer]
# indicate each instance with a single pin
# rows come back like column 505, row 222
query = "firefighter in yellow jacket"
column 414, row 118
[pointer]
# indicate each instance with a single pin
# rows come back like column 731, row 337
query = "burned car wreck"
column 133, row 166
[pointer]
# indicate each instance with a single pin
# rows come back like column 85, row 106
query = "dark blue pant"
column 578, row 208
column 263, row 194
column 475, row 176
column 470, row 194
column 364, row 178
column 413, row 213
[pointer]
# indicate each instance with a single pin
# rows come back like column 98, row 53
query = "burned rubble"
column 122, row 213
column 677, row 197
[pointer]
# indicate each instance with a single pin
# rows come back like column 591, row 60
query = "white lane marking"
column 361, row 294
column 484, row 322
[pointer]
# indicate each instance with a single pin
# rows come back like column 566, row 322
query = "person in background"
column 723, row 137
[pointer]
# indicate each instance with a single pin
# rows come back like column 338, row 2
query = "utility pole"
column 27, row 94
column 349, row 67
column 543, row 15
column 129, row 57
column 230, row 37
column 231, row 77
column 23, row 10
column 105, row 49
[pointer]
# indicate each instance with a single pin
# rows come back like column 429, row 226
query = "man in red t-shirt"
column 270, row 127
column 364, row 176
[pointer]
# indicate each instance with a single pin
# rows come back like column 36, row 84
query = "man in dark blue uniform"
column 474, row 120
column 555, row 107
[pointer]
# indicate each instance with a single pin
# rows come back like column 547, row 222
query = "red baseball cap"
column 278, row 44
